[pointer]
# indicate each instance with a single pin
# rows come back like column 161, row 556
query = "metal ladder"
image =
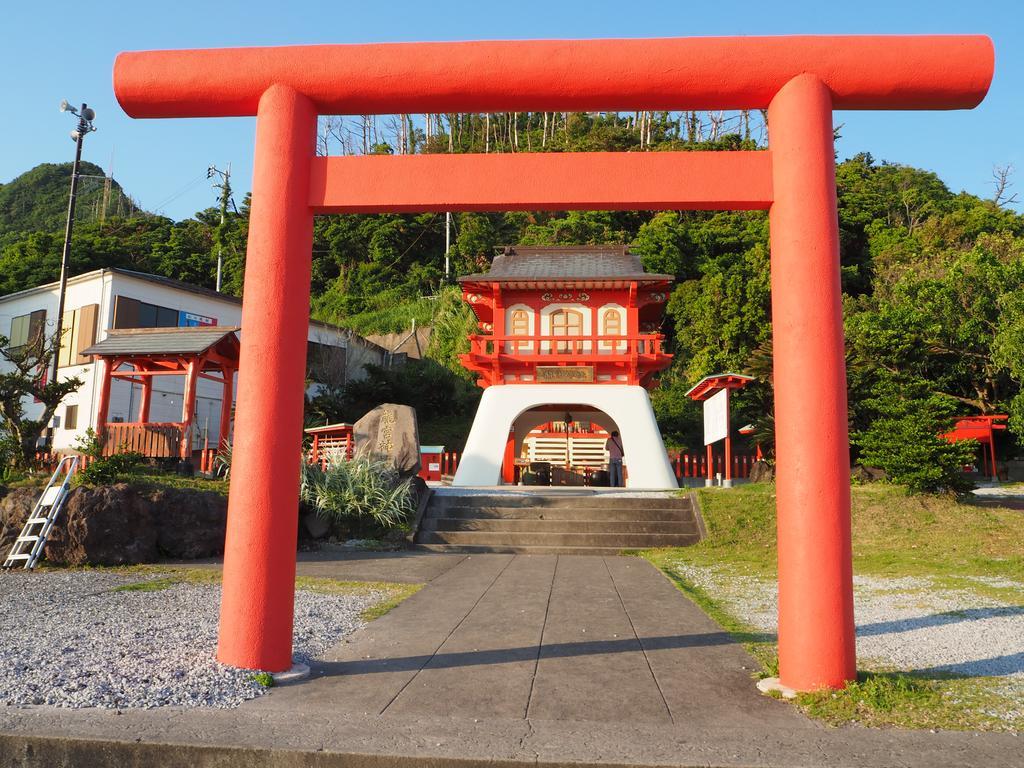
column 28, row 547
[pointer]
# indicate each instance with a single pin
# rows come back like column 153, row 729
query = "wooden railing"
column 581, row 348
column 152, row 440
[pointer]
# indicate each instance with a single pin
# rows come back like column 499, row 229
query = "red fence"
column 686, row 465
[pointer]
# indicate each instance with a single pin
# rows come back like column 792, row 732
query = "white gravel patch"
column 909, row 624
column 68, row 639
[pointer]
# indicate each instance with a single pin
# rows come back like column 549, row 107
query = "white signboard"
column 716, row 417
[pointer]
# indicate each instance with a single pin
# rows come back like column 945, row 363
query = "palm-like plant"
column 360, row 488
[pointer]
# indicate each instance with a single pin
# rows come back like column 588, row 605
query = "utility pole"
column 225, row 196
column 447, row 244
column 85, row 117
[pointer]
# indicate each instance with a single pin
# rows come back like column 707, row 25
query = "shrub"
column 360, row 488
column 904, row 440
column 105, row 470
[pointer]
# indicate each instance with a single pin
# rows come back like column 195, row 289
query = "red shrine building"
column 567, row 334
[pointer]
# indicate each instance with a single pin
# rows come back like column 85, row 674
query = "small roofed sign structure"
column 713, row 391
column 137, row 355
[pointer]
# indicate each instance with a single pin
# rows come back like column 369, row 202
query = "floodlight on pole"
column 85, row 115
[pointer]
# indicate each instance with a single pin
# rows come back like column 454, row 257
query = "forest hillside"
column 933, row 280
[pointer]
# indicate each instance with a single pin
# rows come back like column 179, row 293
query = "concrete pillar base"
column 771, row 685
column 297, row 672
column 727, row 483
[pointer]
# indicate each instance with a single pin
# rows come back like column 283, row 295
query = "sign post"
column 713, row 391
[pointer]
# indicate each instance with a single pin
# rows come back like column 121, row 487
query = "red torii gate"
column 798, row 79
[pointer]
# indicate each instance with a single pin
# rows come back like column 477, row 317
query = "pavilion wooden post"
column 103, row 404
column 227, row 400
column 259, row 551
column 816, row 631
column 188, row 407
column 147, row 395
column 709, row 474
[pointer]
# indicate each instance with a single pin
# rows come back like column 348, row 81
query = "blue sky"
column 163, row 162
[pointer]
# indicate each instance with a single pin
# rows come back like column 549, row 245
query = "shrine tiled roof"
column 565, row 263
column 161, row 341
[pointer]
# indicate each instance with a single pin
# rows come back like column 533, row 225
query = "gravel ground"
column 69, row 639
column 906, row 623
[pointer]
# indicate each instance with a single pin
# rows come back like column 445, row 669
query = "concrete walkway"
column 545, row 638
column 502, row 660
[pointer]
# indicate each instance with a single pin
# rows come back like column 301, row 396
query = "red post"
column 146, row 400
column 188, row 407
column 227, row 400
column 709, row 477
column 103, row 405
column 259, row 551
column 816, row 631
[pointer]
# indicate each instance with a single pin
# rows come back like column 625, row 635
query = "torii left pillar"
column 259, row 549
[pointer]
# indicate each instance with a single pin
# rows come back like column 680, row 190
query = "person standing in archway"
column 613, row 445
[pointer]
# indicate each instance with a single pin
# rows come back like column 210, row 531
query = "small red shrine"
column 982, row 429
column 574, row 330
column 577, row 314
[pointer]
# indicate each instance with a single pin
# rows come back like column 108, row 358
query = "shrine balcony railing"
column 578, row 348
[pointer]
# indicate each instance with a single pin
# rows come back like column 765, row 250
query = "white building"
column 107, row 299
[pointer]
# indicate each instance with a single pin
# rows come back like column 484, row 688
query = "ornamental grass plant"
column 359, row 489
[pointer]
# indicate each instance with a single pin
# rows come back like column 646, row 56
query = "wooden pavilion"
column 137, row 355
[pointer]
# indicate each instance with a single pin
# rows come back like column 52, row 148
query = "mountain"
column 38, row 199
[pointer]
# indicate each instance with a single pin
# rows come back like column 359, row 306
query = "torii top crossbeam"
column 861, row 71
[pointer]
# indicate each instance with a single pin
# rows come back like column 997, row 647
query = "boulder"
column 317, row 527
column 15, row 507
column 762, row 472
column 109, row 525
column 389, row 433
column 862, row 474
column 189, row 524
column 122, row 525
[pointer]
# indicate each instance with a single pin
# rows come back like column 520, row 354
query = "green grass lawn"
column 895, row 534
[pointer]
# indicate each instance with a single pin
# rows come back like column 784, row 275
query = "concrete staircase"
column 580, row 522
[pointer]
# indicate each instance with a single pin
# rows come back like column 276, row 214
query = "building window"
column 132, row 313
column 611, row 325
column 519, row 325
column 71, row 417
column 78, row 332
column 566, row 322
column 27, row 329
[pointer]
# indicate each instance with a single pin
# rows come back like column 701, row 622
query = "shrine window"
column 566, row 322
column 519, row 325
column 611, row 325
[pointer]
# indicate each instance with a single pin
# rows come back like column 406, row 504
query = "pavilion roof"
column 129, row 342
column 710, row 385
column 576, row 263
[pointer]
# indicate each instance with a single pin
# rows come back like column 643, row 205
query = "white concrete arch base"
column 628, row 406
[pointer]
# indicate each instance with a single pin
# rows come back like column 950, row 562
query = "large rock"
column 762, row 472
column 189, row 524
column 109, row 525
column 121, row 525
column 389, row 433
column 15, row 507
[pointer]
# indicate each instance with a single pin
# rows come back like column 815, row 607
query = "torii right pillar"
column 816, row 629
